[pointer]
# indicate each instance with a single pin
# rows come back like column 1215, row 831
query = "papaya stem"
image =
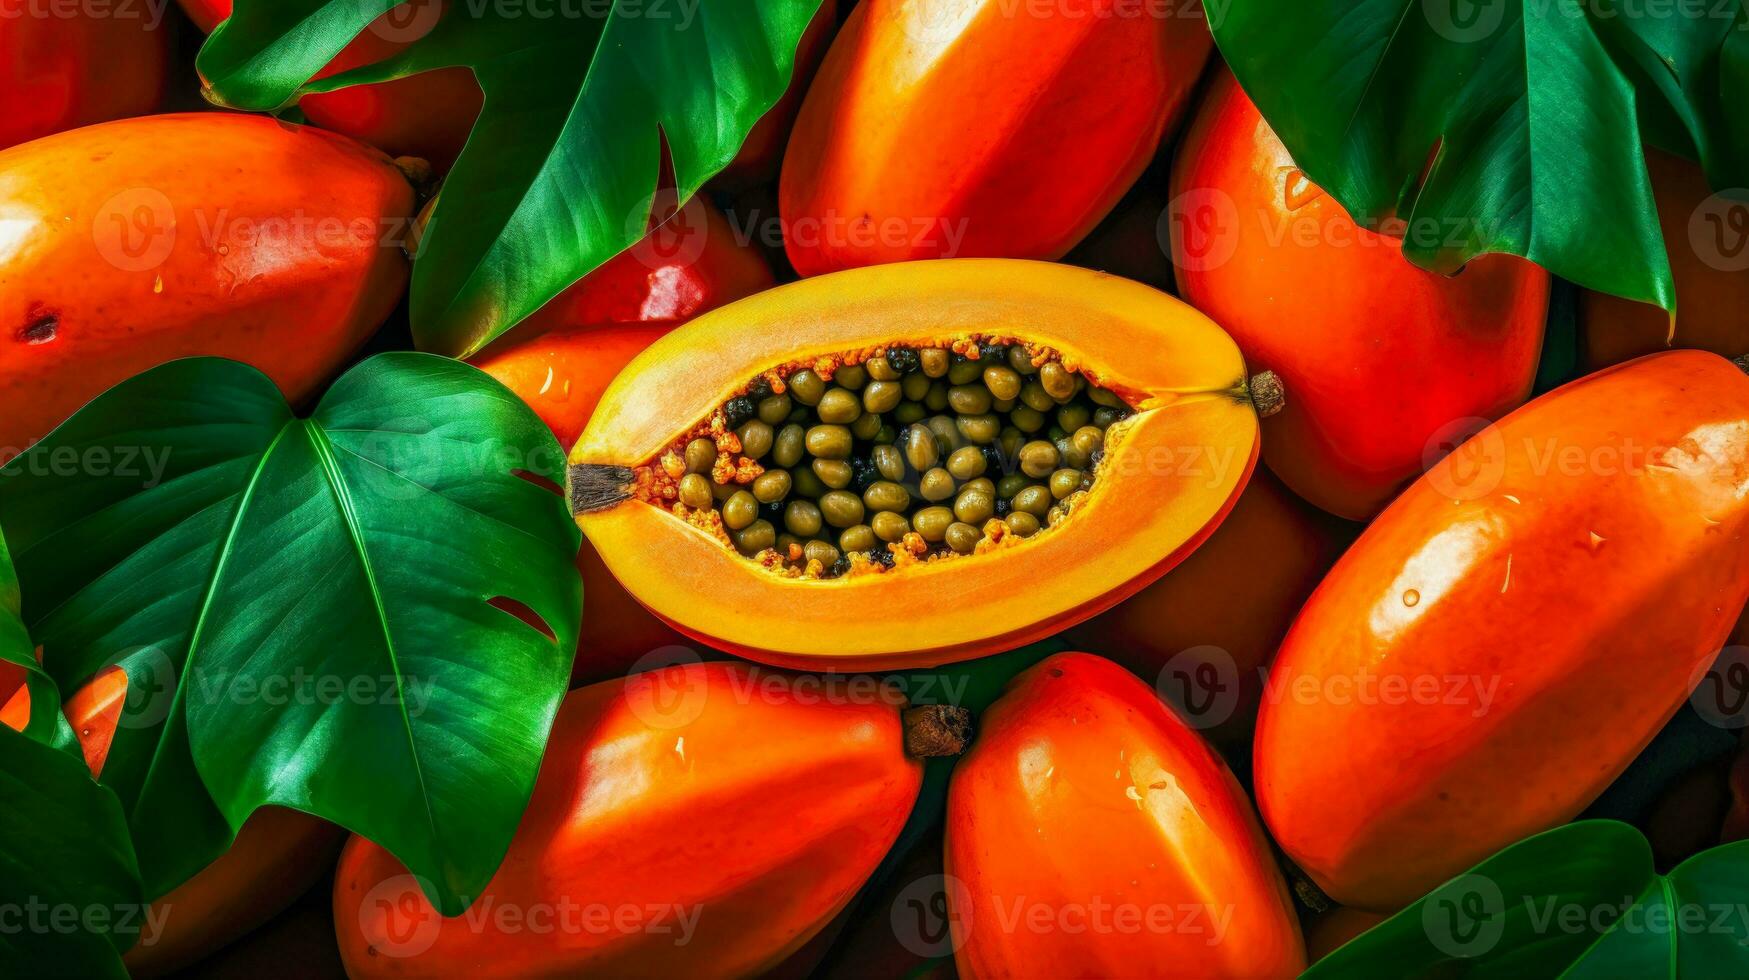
column 936, row 730
column 1742, row 363
column 597, row 486
column 1268, row 394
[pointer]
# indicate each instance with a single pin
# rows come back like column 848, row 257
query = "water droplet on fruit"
column 1411, row 597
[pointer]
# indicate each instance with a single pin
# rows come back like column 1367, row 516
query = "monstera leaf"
column 68, row 880
column 368, row 614
column 1579, row 901
column 1502, row 125
column 560, row 171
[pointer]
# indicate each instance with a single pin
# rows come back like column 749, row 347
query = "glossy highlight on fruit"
column 1390, row 364
column 708, row 818
column 428, row 115
column 1508, row 635
column 1092, row 833
column 276, row 856
column 1704, row 238
column 940, row 130
column 1166, row 475
column 70, row 65
column 123, row 249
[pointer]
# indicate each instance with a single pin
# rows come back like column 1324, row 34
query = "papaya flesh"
column 1179, row 441
column 705, row 819
column 276, row 856
column 1509, row 634
column 1091, row 832
column 125, row 248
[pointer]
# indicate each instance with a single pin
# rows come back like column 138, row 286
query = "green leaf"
column 1535, row 110
column 68, row 881
column 1579, row 901
column 560, row 171
column 46, row 724
column 311, row 612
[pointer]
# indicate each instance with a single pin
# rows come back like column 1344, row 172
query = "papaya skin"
column 428, row 115
column 125, row 249
column 73, row 68
column 1382, row 357
column 925, row 134
column 1227, row 606
column 276, row 856
column 1170, row 473
column 804, row 795
column 1335, row 928
column 1084, row 788
column 1564, row 579
column 1710, row 298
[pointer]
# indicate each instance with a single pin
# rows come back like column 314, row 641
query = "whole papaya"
column 133, row 243
column 1508, row 635
column 700, row 820
column 1388, row 363
column 428, row 115
column 1092, row 833
column 64, row 68
column 936, row 130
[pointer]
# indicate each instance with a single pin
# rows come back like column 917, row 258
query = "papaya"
column 762, row 152
column 1507, row 636
column 937, row 130
column 1390, row 363
column 1204, row 635
column 76, row 65
column 428, row 115
column 963, row 455
column 1091, row 832
column 141, row 241
column 1705, row 236
column 706, row 819
column 276, row 856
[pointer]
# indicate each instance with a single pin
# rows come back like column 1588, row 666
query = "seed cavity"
column 875, row 460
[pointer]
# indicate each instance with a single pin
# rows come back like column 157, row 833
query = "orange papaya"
column 1391, row 363
column 137, row 242
column 706, row 819
column 73, row 65
column 935, row 130
column 1092, row 833
column 1509, row 634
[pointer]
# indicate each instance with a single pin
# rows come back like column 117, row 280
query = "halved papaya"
column 1509, row 634
column 706, row 819
column 965, row 455
column 1092, row 833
